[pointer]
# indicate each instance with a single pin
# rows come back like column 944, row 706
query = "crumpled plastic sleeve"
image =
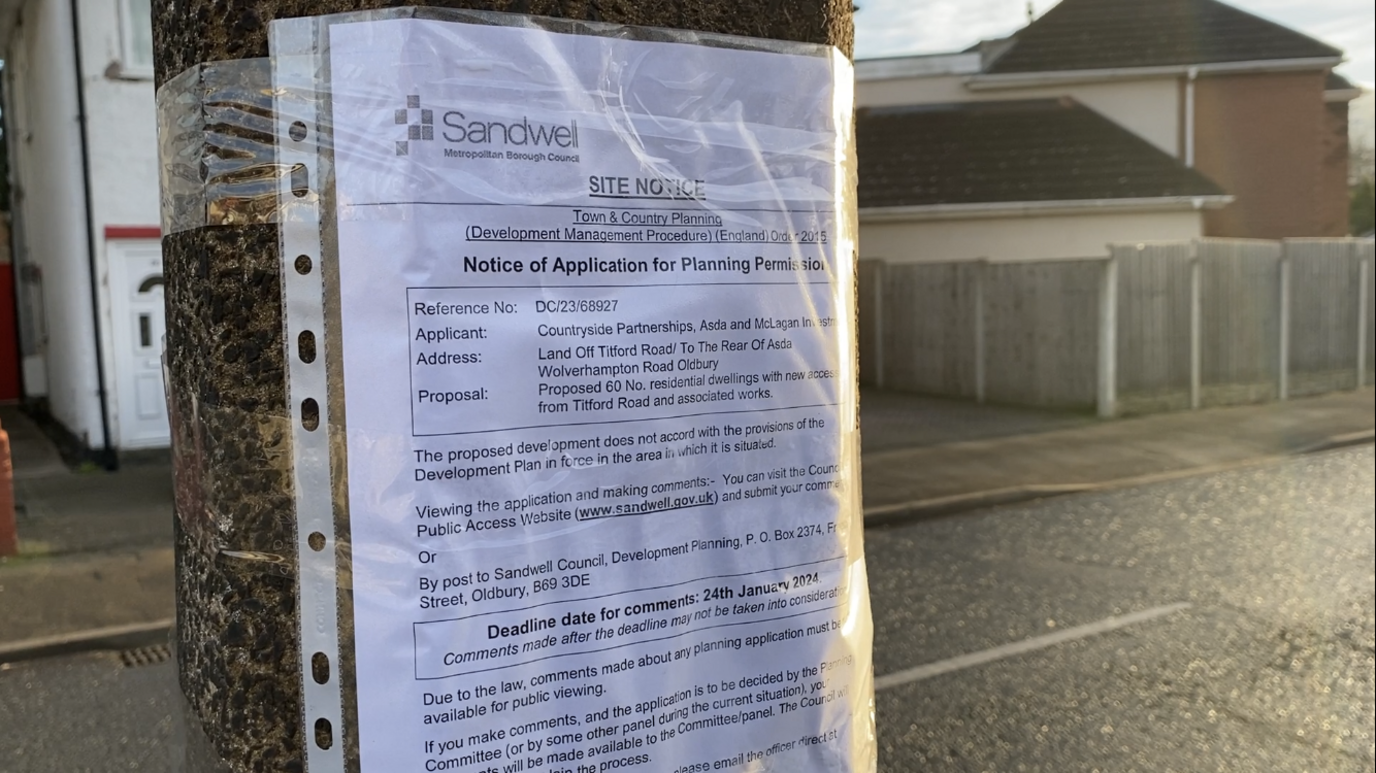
column 568, row 351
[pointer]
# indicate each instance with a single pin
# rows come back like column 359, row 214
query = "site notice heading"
column 596, row 326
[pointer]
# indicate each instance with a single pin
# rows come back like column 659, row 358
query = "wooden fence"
column 1149, row 327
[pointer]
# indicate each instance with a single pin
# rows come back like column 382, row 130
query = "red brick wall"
column 1270, row 140
column 1333, row 191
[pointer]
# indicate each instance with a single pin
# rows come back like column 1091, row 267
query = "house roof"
column 1336, row 82
column 1112, row 34
column 1044, row 150
column 1337, row 89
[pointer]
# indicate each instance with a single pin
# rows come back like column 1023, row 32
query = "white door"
column 137, row 318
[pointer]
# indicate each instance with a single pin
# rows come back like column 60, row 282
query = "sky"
column 897, row 27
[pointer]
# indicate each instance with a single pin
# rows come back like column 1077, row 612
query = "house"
column 1103, row 120
column 81, row 136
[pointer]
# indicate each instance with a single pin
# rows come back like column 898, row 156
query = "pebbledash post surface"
column 592, row 307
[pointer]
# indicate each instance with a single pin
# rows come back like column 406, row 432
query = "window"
column 136, row 27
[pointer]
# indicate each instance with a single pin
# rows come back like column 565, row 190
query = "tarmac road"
column 1222, row 622
column 85, row 714
column 1253, row 651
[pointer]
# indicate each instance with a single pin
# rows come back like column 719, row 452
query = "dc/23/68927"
column 575, row 306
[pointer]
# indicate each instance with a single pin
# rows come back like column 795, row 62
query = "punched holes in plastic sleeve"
column 310, row 414
column 305, row 346
column 324, row 733
column 320, row 667
column 300, row 181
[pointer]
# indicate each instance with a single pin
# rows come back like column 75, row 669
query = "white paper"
column 602, row 465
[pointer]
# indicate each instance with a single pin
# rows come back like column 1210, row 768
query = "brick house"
column 1222, row 123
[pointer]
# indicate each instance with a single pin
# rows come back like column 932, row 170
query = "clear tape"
column 215, row 120
column 215, row 142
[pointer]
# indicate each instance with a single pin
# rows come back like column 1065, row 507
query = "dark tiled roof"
column 1336, row 82
column 1104, row 34
column 1015, row 151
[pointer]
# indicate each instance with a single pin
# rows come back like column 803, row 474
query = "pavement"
column 1062, row 455
column 95, row 567
column 34, row 454
column 95, row 562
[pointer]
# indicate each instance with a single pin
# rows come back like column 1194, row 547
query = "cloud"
column 894, row 27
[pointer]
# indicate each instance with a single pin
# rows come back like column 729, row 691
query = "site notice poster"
column 596, row 327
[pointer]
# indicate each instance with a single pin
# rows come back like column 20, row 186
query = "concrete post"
column 1363, row 300
column 1108, row 338
column 1196, row 325
column 981, row 346
column 1283, row 355
column 877, row 320
column 237, row 599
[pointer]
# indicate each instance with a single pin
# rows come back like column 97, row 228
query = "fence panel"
column 1041, row 323
column 1240, row 320
column 929, row 332
column 1324, row 279
column 1153, row 326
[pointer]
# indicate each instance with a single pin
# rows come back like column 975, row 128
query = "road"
column 85, row 714
column 1268, row 668
column 1222, row 622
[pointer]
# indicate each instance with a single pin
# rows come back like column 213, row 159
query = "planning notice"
column 596, row 331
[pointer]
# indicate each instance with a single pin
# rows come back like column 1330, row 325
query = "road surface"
column 1222, row 622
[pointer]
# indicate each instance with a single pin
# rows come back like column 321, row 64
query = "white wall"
column 1021, row 238
column 932, row 89
column 121, row 125
column 122, row 136
column 43, row 110
column 1149, row 108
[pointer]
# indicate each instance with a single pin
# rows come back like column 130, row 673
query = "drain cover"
column 145, row 656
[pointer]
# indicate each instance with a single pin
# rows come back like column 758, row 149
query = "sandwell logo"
column 457, row 129
column 419, row 123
